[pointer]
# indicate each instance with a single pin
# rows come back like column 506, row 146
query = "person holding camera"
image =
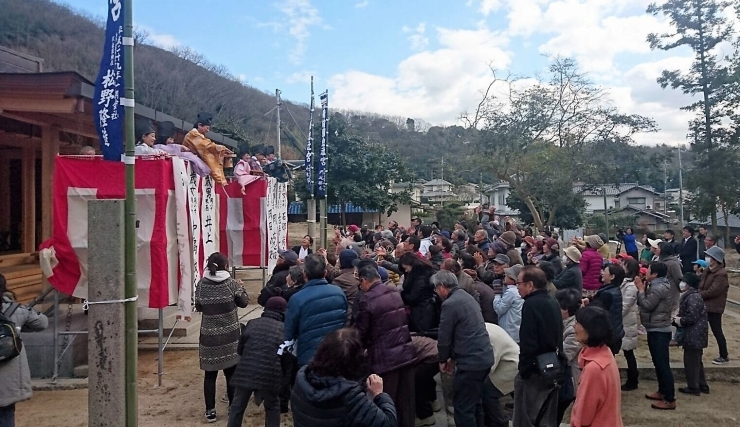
column 630, row 243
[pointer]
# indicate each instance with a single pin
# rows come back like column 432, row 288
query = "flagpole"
column 311, row 203
column 130, row 222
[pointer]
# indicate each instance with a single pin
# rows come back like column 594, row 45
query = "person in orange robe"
column 212, row 154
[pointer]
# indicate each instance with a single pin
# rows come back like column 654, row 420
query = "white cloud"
column 300, row 77
column 417, row 37
column 435, row 85
column 301, row 16
column 161, row 40
column 488, row 6
column 361, row 4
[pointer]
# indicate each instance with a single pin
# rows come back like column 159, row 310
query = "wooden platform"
column 23, row 274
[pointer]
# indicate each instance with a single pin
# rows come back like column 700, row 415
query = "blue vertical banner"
column 321, row 172
column 109, row 86
column 309, row 150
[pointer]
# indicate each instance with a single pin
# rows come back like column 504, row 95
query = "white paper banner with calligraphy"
column 276, row 216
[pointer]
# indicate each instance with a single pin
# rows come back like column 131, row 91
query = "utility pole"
column 680, row 184
column 130, row 286
column 665, row 187
column 480, row 189
column 279, row 126
column 606, row 213
column 443, row 168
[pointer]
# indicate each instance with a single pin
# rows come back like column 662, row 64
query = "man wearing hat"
column 493, row 273
column 713, row 288
column 572, row 276
column 212, row 154
column 383, row 326
column 166, row 132
column 509, row 239
column 509, row 304
column 145, row 138
column 346, row 279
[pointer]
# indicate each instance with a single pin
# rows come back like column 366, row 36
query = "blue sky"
column 426, row 59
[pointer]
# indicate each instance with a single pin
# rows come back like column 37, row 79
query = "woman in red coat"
column 591, row 262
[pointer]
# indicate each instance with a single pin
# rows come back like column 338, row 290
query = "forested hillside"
column 182, row 82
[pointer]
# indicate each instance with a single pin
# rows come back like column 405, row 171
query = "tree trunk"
column 342, row 208
column 535, row 215
column 551, row 217
column 726, row 213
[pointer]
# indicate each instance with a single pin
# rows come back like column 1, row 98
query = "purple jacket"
column 591, row 262
column 383, row 325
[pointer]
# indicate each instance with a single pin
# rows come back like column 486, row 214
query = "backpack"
column 10, row 340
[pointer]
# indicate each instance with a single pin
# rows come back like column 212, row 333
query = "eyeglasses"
column 523, row 283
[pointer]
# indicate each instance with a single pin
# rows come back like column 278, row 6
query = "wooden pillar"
column 28, row 178
column 49, row 151
column 4, row 194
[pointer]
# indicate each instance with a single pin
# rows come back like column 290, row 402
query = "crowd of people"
column 357, row 336
column 492, row 308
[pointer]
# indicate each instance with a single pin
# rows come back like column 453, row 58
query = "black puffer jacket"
column 337, row 402
column 259, row 366
column 609, row 297
column 279, row 280
column 418, row 294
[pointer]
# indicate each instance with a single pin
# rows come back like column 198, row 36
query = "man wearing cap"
column 493, row 273
column 318, row 309
column 347, row 280
column 383, row 325
column 212, row 154
column 571, row 276
column 508, row 305
column 713, row 288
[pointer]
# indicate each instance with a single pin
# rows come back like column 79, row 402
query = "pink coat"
column 599, row 396
column 591, row 262
column 242, row 173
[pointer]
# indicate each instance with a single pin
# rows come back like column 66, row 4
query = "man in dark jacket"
column 260, row 369
column 279, row 279
column 383, row 326
column 541, row 332
column 463, row 344
column 346, row 279
column 700, row 237
column 319, row 308
column 689, row 249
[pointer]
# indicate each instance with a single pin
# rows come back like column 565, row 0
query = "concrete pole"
column 106, row 337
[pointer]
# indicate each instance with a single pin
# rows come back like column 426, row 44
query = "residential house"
column 497, row 195
column 617, row 196
column 649, row 219
column 438, row 190
column 416, row 189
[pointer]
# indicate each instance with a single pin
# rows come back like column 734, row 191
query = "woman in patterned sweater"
column 217, row 297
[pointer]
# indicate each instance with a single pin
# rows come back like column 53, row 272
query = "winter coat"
column 692, row 317
column 713, row 287
column 571, row 348
column 292, row 291
column 674, row 276
column 571, row 277
column 599, row 398
column 629, row 314
column 541, row 331
column 486, row 295
column 15, row 376
column 259, row 366
column 655, row 305
column 609, row 297
column 418, row 295
column 515, row 257
column 555, row 261
column 319, row 308
column 591, row 262
column 337, row 402
column 689, row 253
column 508, row 307
column 347, row 281
column 217, row 297
column 701, row 246
column 462, row 333
column 383, row 326
column 486, row 273
column 630, row 243
column 279, row 280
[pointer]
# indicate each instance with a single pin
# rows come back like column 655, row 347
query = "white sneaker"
column 211, row 416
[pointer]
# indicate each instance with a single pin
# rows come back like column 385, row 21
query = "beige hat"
column 513, row 271
column 594, row 241
column 573, row 254
column 654, row 243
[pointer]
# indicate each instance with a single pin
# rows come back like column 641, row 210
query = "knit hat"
column 573, row 254
column 594, row 241
column 288, row 255
column 353, row 228
column 346, row 256
column 691, row 279
column 553, row 244
column 509, row 238
column 276, row 304
column 383, row 274
column 717, row 253
column 513, row 271
column 499, row 247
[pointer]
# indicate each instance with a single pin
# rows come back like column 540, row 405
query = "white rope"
column 87, row 303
